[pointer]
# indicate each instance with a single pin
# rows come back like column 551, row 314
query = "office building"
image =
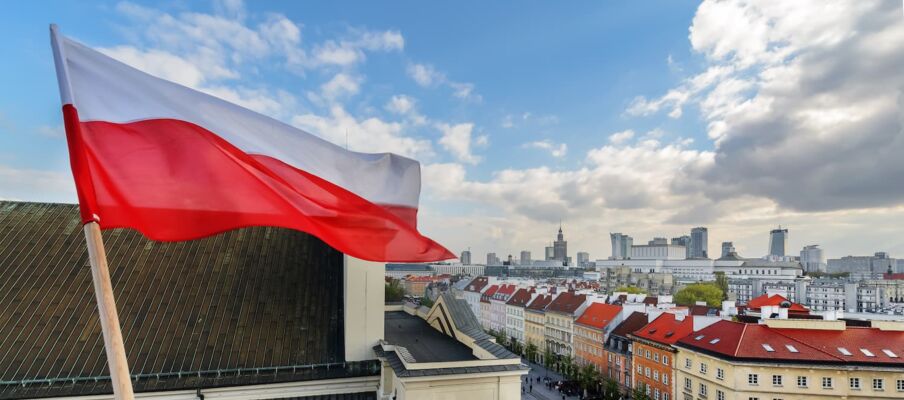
column 465, row 257
column 685, row 241
column 863, row 267
column 699, row 243
column 778, row 242
column 812, row 259
column 583, row 258
column 727, row 248
column 492, row 259
column 525, row 258
column 550, row 253
column 621, row 246
column 658, row 241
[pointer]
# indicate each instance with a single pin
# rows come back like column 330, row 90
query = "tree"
column 611, row 390
column 588, row 377
column 531, row 352
column 515, row 345
column 548, row 357
column 640, row 392
column 722, row 283
column 426, row 302
column 394, row 291
column 631, row 290
column 708, row 292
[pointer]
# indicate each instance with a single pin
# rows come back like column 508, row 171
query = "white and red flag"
column 178, row 164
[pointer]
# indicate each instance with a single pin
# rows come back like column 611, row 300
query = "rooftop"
column 249, row 300
column 423, row 342
column 761, row 342
column 540, row 303
column 666, row 328
column 521, row 297
column 631, row 324
column 567, row 303
column 598, row 315
column 775, row 300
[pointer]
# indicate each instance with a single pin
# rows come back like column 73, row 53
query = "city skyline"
column 639, row 118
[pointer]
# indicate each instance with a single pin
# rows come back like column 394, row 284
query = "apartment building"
column 497, row 306
column 485, row 316
column 514, row 313
column 535, row 323
column 473, row 292
column 791, row 359
column 619, row 349
column 559, row 322
column 591, row 330
column 653, row 355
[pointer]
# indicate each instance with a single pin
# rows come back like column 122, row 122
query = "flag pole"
column 100, row 271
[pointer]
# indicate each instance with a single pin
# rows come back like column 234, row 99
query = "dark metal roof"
column 202, row 312
column 399, row 368
column 631, row 324
column 423, row 342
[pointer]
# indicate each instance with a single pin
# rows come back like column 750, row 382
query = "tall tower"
column 466, row 257
column 778, row 241
column 699, row 242
column 727, row 248
column 621, row 246
column 560, row 247
column 525, row 257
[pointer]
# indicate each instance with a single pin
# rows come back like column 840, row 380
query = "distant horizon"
column 645, row 119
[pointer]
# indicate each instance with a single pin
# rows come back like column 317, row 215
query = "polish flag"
column 177, row 164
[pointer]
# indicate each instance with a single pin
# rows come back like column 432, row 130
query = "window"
column 639, row 369
column 855, row 383
column 899, row 384
column 687, row 363
column 720, row 373
column 802, row 381
column 776, row 380
column 647, row 372
column 720, row 395
column 702, row 390
column 648, row 354
column 665, row 360
column 687, row 383
column 665, row 396
column 656, row 394
column 826, row 382
column 656, row 376
column 753, row 379
column 656, row 357
column 665, row 379
column 703, row 368
column 878, row 384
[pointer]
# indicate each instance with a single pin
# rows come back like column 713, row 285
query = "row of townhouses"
column 768, row 348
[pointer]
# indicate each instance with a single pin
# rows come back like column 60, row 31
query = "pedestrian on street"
column 531, row 388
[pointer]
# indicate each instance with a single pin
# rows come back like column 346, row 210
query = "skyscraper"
column 685, row 241
column 560, row 247
column 525, row 257
column 549, row 253
column 727, row 248
column 465, row 257
column 699, row 243
column 583, row 258
column 778, row 241
column 812, row 259
column 621, row 246
column 492, row 259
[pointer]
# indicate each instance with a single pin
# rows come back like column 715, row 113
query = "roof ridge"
column 740, row 339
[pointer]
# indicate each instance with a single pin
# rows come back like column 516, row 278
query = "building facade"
column 559, row 322
column 560, row 247
column 653, row 355
column 778, row 242
column 535, row 323
column 591, row 330
column 514, row 313
column 465, row 257
column 525, row 258
column 790, row 359
column 621, row 246
column 812, row 259
column 619, row 351
column 699, row 243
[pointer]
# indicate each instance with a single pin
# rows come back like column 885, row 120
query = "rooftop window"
column 844, row 351
column 714, row 341
column 698, row 337
column 791, row 348
column 867, row 353
column 889, row 353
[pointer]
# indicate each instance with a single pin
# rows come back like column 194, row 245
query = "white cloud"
column 425, row 75
column 507, row 122
column 556, row 150
column 36, row 185
column 621, row 137
column 465, row 91
column 400, row 104
column 340, row 85
column 456, row 139
column 370, row 135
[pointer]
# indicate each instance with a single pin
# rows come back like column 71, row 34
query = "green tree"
column 426, row 302
column 515, row 345
column 548, row 357
column 631, row 290
column 394, row 291
column 611, row 390
column 531, row 352
column 708, row 292
column 722, row 283
column 589, row 378
column 640, row 392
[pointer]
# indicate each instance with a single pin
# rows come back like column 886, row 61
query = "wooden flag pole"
column 100, row 272
column 109, row 319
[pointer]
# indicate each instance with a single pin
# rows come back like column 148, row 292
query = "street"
column 540, row 392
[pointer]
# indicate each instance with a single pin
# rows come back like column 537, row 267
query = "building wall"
column 653, row 368
column 559, row 330
column 734, row 382
column 618, row 367
column 464, row 388
column 364, row 311
column 588, row 347
column 514, row 322
column 535, row 329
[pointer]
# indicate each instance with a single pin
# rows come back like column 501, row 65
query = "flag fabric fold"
column 178, row 164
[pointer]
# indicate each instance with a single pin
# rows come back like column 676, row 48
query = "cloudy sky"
column 646, row 119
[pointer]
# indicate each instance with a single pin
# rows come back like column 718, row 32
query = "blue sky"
column 642, row 117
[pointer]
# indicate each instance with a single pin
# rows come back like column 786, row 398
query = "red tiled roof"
column 506, row 290
column 598, row 315
column 567, row 302
column 490, row 291
column 774, row 300
column 754, row 341
column 477, row 284
column 634, row 322
column 540, row 303
column 666, row 329
column 520, row 298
